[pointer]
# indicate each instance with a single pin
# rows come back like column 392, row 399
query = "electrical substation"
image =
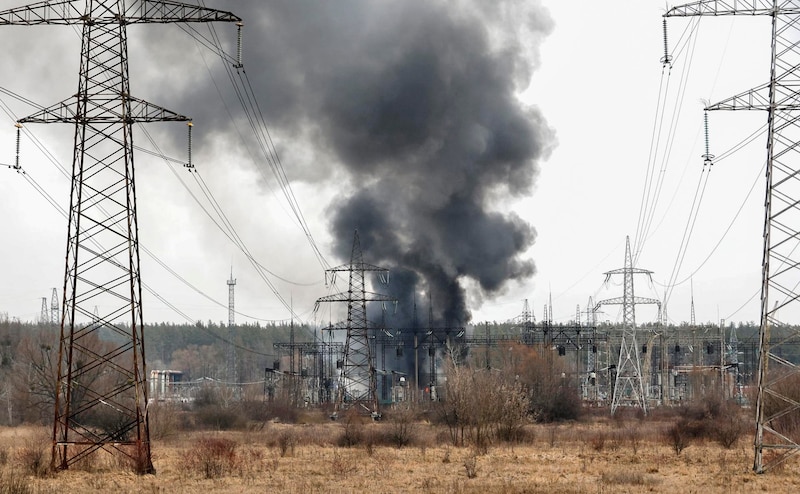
column 372, row 359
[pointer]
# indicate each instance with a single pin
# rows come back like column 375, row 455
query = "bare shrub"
column 552, row 435
column 218, row 417
column 212, row 457
column 634, row 438
column 677, row 437
column 342, row 465
column 550, row 398
column 34, row 455
column 286, row 442
column 402, row 423
column 352, row 429
column 163, row 420
column 471, row 466
column 482, row 404
column 729, row 428
column 598, row 441
column 13, row 483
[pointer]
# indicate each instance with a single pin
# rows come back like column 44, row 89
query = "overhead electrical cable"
column 252, row 110
column 224, row 224
column 652, row 193
column 42, row 192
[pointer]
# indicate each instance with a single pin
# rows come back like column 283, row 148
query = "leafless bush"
column 213, row 457
column 598, row 441
column 352, row 429
column 34, row 455
column 342, row 465
column 218, row 417
column 286, row 442
column 471, row 466
column 552, row 435
column 402, row 426
column 729, row 428
column 14, row 483
column 163, row 420
column 634, row 438
column 482, row 404
column 677, row 437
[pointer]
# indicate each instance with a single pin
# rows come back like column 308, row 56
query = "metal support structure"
column 357, row 380
column 628, row 388
column 44, row 315
column 103, row 382
column 54, row 308
column 231, row 371
column 777, row 403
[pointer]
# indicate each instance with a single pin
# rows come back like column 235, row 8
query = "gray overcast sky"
column 585, row 80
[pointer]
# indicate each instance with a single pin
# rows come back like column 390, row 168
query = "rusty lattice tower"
column 101, row 392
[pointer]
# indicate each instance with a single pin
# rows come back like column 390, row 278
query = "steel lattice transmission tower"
column 358, row 384
column 231, row 377
column 54, row 308
column 103, row 382
column 628, row 387
column 776, row 406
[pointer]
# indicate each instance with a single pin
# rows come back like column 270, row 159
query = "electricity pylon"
column 231, row 374
column 358, row 384
column 777, row 405
column 101, row 392
column 628, row 386
column 54, row 319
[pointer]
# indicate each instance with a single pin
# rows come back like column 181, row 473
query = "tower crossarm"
column 626, row 271
column 758, row 98
column 346, row 297
column 731, row 7
column 105, row 111
column 621, row 301
column 71, row 12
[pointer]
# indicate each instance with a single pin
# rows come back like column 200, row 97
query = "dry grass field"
column 594, row 456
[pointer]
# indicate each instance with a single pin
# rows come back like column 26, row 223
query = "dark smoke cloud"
column 415, row 101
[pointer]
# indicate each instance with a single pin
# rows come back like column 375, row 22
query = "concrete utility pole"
column 780, row 98
column 628, row 388
column 102, row 267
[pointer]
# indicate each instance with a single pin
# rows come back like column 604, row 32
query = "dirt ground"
column 578, row 458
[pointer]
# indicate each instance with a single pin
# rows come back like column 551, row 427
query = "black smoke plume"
column 415, row 103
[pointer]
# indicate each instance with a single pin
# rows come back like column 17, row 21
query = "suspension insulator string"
column 239, row 64
column 708, row 157
column 16, row 163
column 189, row 164
column 667, row 58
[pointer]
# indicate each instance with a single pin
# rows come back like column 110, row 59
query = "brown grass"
column 565, row 459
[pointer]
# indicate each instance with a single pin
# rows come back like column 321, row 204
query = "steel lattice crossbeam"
column 778, row 403
column 101, row 398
